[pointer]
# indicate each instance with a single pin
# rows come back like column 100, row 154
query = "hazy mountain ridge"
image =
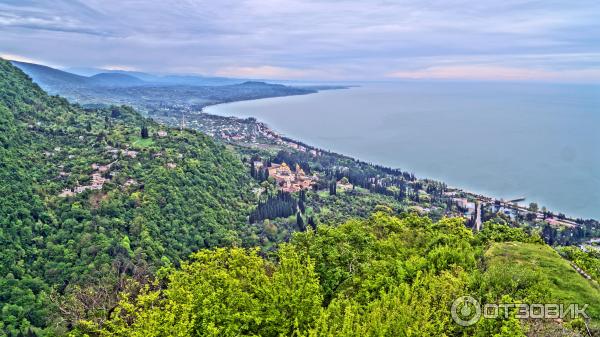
column 170, row 79
column 52, row 78
column 115, row 79
column 48, row 76
column 147, row 91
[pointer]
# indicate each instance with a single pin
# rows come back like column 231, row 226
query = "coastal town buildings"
column 465, row 204
column 291, row 181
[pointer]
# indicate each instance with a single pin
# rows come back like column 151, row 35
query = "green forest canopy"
column 162, row 199
column 383, row 276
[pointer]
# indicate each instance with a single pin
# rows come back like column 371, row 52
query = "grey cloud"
column 350, row 39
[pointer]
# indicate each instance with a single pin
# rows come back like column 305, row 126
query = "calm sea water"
column 504, row 140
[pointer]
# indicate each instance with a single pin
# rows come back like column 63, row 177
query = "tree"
column 332, row 188
column 300, row 222
column 549, row 234
column 115, row 112
column 280, row 206
column 495, row 232
column 301, row 201
column 144, row 131
column 230, row 292
column 545, row 212
column 533, row 207
column 531, row 216
column 311, row 223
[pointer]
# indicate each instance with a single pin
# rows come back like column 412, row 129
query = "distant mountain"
column 49, row 76
column 197, row 80
column 259, row 83
column 161, row 78
column 85, row 71
column 193, row 80
column 149, row 91
column 115, row 80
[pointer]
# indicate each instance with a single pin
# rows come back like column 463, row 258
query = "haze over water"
column 504, row 140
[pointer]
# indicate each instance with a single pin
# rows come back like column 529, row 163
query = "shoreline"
column 479, row 196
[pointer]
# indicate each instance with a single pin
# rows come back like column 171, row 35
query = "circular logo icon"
column 465, row 311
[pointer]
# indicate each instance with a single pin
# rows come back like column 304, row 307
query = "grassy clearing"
column 566, row 285
column 142, row 143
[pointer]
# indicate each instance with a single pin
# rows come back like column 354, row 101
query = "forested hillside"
column 383, row 276
column 93, row 199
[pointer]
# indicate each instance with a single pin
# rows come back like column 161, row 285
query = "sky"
column 504, row 40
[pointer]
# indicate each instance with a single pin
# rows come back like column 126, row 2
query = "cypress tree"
column 144, row 131
column 300, row 222
column 311, row 223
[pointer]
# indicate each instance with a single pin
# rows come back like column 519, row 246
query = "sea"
column 505, row 140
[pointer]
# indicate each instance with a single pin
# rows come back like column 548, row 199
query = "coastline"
column 505, row 172
column 295, row 144
column 298, row 145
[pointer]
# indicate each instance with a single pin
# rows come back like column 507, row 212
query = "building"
column 97, row 181
column 130, row 154
column 466, row 205
column 291, row 181
column 130, row 182
column 344, row 185
column 67, row 192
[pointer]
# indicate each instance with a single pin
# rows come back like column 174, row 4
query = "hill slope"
column 144, row 202
column 49, row 76
column 562, row 283
column 52, row 78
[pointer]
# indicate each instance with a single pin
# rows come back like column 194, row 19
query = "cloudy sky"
column 547, row 40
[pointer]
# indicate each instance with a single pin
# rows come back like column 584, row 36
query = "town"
column 255, row 136
column 288, row 180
